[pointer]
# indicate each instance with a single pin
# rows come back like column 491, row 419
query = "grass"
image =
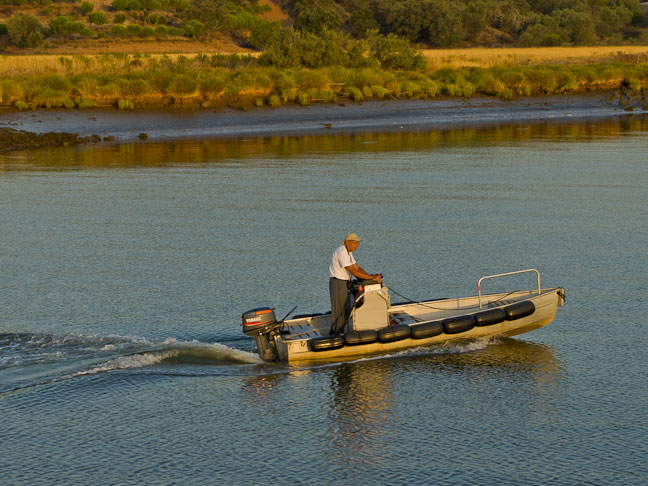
column 132, row 81
column 521, row 56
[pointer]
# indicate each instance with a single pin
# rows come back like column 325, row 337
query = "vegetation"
column 433, row 23
column 131, row 81
column 326, row 51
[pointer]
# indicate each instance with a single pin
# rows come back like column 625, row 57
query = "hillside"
column 154, row 26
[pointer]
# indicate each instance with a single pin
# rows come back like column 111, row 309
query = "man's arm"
column 358, row 272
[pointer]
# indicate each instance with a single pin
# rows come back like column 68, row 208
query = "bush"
column 86, row 7
column 395, row 53
column 125, row 104
column 118, row 31
column 264, row 34
column 85, row 104
column 50, row 98
column 193, row 28
column 317, row 17
column 355, row 94
column 98, row 18
column 24, row 30
column 67, row 26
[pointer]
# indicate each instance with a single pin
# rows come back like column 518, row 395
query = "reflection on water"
column 160, row 154
column 362, row 414
column 365, row 394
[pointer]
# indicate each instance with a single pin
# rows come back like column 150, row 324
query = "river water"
column 126, row 266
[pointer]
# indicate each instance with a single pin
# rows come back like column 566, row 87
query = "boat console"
column 370, row 306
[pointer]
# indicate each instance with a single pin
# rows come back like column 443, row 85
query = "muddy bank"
column 11, row 139
column 71, row 127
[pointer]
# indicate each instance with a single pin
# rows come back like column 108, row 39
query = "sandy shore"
column 405, row 115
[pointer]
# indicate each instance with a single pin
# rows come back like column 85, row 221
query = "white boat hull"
column 295, row 346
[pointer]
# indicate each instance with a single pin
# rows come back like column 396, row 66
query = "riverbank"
column 109, row 125
column 129, row 82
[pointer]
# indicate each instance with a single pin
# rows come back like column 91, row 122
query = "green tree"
column 62, row 25
column 24, row 30
column 544, row 32
column 446, row 27
column 317, row 17
column 193, row 28
column 86, row 7
column 264, row 33
column 283, row 52
column 362, row 21
column 578, row 26
column 395, row 53
column 98, row 18
column 120, row 4
column 475, row 17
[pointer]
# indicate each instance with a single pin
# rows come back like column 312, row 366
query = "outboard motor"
column 262, row 325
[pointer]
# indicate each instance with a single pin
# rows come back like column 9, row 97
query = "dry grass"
column 27, row 65
column 520, row 56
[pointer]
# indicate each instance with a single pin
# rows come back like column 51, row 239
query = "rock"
column 142, row 136
column 11, row 139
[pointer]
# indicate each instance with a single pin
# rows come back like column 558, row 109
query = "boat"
column 376, row 326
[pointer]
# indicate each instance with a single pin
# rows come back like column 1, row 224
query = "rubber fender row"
column 365, row 336
column 326, row 343
column 453, row 325
column 519, row 310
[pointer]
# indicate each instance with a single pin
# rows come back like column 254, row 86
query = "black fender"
column 427, row 329
column 455, row 325
column 365, row 336
column 490, row 317
column 519, row 310
column 394, row 333
column 326, row 343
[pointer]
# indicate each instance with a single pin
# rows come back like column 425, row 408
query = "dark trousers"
column 340, row 304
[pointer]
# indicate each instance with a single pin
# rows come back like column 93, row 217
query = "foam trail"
column 217, row 352
column 126, row 362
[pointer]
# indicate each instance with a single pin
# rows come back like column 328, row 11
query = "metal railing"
column 504, row 275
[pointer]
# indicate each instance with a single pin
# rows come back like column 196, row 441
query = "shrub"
column 183, row 85
column 318, row 17
column 119, row 19
column 274, row 101
column 264, row 34
column 10, row 91
column 50, row 98
column 355, row 94
column 395, row 53
column 118, row 31
column 123, row 104
column 85, row 104
column 303, row 98
column 193, row 28
column 24, row 30
column 133, row 30
column 62, row 25
column 98, row 18
column 86, row 7
column 21, row 105
column 120, row 4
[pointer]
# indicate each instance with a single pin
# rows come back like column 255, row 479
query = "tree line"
column 447, row 23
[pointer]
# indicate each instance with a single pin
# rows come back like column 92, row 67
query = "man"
column 343, row 266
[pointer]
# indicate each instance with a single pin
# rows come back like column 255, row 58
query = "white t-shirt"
column 341, row 258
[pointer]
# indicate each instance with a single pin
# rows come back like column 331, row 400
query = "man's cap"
column 352, row 237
